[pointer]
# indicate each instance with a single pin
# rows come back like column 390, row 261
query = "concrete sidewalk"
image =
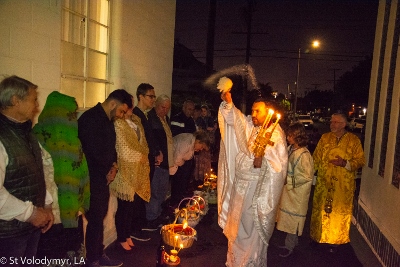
column 211, row 246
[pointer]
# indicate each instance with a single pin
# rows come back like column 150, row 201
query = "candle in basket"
column 175, row 242
column 174, row 255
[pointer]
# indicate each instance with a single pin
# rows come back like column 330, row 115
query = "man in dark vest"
column 25, row 205
column 97, row 134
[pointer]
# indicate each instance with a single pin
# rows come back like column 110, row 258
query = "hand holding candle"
column 263, row 137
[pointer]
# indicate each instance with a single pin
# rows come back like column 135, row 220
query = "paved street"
column 211, row 246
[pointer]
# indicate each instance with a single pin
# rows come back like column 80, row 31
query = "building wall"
column 379, row 213
column 141, row 49
column 30, row 42
column 142, row 44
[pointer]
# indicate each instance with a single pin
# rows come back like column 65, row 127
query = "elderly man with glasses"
column 337, row 157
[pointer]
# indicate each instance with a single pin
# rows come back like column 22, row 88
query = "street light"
column 315, row 44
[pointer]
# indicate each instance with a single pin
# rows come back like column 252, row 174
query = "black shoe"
column 120, row 248
column 105, row 261
column 140, row 236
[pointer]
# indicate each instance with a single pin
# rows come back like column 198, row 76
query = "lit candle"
column 268, row 118
column 278, row 116
column 176, row 241
column 180, row 247
column 174, row 255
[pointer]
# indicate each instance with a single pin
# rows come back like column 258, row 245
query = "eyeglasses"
column 337, row 122
column 151, row 96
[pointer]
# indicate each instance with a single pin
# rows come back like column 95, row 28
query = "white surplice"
column 247, row 197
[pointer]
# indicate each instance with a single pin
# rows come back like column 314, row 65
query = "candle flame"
column 180, row 247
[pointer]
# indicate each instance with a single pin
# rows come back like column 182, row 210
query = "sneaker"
column 140, row 236
column 105, row 261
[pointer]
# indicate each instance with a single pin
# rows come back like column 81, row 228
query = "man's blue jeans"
column 159, row 189
column 17, row 250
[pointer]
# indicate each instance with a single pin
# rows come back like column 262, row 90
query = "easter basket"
column 175, row 234
column 191, row 212
column 202, row 204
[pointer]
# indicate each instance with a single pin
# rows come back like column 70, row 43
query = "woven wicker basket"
column 202, row 204
column 191, row 212
column 186, row 236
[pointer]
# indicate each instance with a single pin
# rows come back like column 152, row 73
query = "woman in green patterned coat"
column 57, row 131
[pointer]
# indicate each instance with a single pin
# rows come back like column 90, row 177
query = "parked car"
column 306, row 121
column 357, row 124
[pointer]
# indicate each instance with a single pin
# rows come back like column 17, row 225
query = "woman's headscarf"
column 57, row 131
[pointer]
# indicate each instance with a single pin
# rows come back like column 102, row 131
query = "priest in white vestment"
column 249, row 188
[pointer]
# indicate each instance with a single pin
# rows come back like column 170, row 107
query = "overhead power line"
column 282, row 57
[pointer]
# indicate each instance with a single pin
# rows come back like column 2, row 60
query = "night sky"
column 345, row 29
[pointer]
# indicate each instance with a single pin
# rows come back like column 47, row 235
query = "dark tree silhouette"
column 353, row 86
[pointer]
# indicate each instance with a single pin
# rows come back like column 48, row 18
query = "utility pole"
column 212, row 11
column 334, row 88
column 248, row 14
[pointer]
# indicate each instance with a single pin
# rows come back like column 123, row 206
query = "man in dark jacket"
column 164, row 143
column 25, row 205
column 146, row 98
column 97, row 134
column 182, row 123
